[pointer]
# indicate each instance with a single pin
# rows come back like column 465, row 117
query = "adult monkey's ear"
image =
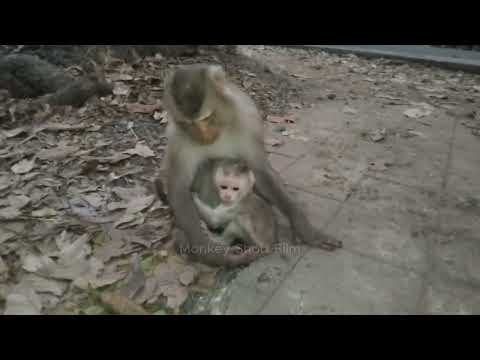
column 217, row 75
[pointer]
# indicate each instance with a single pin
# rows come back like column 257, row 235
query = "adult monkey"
column 212, row 119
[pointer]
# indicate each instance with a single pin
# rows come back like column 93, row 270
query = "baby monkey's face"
column 231, row 186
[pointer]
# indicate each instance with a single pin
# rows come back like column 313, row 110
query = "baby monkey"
column 243, row 215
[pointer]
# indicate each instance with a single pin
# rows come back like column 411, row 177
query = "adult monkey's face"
column 194, row 92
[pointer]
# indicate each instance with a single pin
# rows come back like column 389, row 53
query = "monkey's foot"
column 318, row 239
column 243, row 258
column 325, row 242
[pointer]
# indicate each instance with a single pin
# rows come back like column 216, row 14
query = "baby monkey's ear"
column 251, row 177
column 241, row 167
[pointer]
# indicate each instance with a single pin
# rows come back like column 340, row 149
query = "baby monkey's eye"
column 223, row 187
column 236, row 189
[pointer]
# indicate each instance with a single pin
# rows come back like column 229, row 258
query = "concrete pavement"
column 455, row 59
column 410, row 229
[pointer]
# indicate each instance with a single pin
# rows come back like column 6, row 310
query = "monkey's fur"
column 210, row 119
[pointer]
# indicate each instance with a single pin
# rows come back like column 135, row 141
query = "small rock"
column 378, row 135
column 331, row 96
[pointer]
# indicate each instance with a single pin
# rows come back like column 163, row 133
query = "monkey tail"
column 160, row 190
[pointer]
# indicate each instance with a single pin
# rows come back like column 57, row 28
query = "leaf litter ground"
column 80, row 229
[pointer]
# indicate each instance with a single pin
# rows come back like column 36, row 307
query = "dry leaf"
column 388, row 97
column 149, row 292
column 9, row 213
column 111, row 159
column 299, row 137
column 3, row 267
column 142, row 108
column 121, row 89
column 136, row 280
column 63, row 239
column 82, row 208
column 162, row 116
column 120, row 77
column 121, row 305
column 34, row 263
column 438, row 96
column 94, row 199
column 273, row 142
column 176, row 296
column 45, row 212
column 378, row 135
column 137, row 205
column 116, row 205
column 23, row 166
column 129, row 194
column 94, row 282
column 378, row 166
column 165, row 274
column 187, row 277
column 349, row 110
column 412, row 133
column 129, row 220
column 71, row 264
column 19, row 201
column 423, row 105
column 14, row 132
column 23, row 301
column 417, row 113
column 77, row 250
column 141, row 150
column 5, row 182
column 42, row 285
column 289, row 132
column 58, row 153
column 300, row 76
column 5, row 236
column 114, row 247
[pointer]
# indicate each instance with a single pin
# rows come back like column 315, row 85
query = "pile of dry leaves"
column 80, row 229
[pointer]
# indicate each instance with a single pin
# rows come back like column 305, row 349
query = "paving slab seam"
column 381, row 261
column 426, row 279
column 292, row 268
column 428, row 189
column 294, row 161
column 299, row 158
column 429, row 255
column 321, row 196
column 450, row 155
column 324, row 228
column 284, row 155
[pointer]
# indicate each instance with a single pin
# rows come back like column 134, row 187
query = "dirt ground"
column 80, row 229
